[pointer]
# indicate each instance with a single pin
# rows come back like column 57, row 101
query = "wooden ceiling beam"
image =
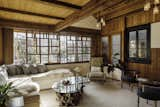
column 4, row 23
column 30, row 13
column 82, row 30
column 64, row 4
column 20, row 25
column 90, row 8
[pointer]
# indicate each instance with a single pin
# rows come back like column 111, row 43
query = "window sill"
column 66, row 63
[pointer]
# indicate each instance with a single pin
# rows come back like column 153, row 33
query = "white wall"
column 155, row 35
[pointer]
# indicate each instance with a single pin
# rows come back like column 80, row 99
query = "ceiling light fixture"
column 148, row 5
column 100, row 21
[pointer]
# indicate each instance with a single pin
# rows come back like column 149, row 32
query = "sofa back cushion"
column 96, row 61
column 33, row 69
column 3, row 79
column 30, row 69
column 14, row 70
column 3, row 69
column 25, row 68
column 42, row 68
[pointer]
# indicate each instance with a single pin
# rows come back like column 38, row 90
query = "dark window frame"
column 146, row 60
column 58, row 35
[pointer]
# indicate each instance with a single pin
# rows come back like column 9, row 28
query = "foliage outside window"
column 33, row 47
column 138, row 44
column 116, row 48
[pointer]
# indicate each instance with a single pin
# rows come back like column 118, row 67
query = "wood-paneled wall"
column 1, row 47
column 152, row 70
column 7, row 46
column 139, row 18
column 96, row 48
column 119, row 24
column 113, row 26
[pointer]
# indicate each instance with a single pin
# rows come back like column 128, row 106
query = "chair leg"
column 138, row 101
column 155, row 102
column 147, row 101
column 132, row 87
column 121, row 84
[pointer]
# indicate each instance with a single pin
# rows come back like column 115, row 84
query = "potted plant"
column 115, row 64
column 4, row 90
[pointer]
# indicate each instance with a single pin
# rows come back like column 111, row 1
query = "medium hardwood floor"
column 100, row 95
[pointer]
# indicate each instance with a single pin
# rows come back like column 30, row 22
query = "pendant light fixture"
column 100, row 21
column 148, row 6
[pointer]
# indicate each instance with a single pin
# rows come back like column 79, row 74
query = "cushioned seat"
column 97, row 71
column 24, row 87
column 149, row 93
column 45, row 80
column 96, row 74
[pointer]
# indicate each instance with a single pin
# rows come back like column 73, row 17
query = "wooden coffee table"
column 69, row 90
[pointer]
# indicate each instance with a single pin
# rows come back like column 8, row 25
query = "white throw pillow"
column 95, row 69
column 3, row 69
column 3, row 79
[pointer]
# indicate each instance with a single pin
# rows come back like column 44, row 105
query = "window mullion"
column 26, row 47
column 137, row 42
column 48, row 47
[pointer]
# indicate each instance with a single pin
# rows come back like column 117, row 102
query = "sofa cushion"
column 25, row 87
column 96, row 74
column 26, row 70
column 95, row 69
column 3, row 69
column 46, row 80
column 29, row 69
column 33, row 69
column 13, row 70
column 19, row 69
column 42, row 68
column 3, row 79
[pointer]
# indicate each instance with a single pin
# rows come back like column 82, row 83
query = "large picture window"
column 138, row 44
column 33, row 47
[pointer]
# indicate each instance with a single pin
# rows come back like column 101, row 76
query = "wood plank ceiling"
column 62, row 13
column 39, row 11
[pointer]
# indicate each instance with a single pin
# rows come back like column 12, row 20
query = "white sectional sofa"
column 30, row 79
column 44, row 78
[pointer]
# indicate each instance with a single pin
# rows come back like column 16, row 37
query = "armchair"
column 149, row 93
column 96, row 69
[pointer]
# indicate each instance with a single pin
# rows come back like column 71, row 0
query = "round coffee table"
column 69, row 90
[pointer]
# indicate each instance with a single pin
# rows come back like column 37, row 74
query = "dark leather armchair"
column 149, row 93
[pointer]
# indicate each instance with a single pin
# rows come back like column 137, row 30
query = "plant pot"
column 3, row 105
